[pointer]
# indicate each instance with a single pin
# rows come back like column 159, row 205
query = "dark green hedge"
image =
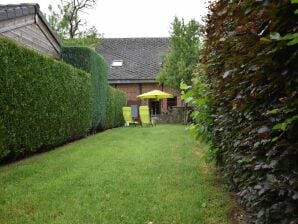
column 253, row 76
column 43, row 102
column 88, row 60
column 116, row 99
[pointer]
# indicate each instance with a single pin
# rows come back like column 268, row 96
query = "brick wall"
column 134, row 89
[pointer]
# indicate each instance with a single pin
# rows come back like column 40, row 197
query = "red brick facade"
column 134, row 89
column 141, row 61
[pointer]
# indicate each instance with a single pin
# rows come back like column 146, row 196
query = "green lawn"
column 125, row 175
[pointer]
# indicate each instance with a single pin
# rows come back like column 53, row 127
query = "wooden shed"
column 25, row 24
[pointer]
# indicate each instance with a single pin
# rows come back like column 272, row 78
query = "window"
column 171, row 102
column 117, row 63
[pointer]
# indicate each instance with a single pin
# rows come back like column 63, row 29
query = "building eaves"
column 131, row 81
column 12, row 11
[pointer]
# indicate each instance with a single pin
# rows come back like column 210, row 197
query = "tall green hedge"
column 88, row 60
column 116, row 99
column 253, row 77
column 43, row 102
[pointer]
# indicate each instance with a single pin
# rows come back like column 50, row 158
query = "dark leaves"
column 254, row 93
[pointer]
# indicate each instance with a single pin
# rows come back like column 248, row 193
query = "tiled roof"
column 141, row 58
column 13, row 11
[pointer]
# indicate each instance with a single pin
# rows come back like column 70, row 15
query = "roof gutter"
column 131, row 81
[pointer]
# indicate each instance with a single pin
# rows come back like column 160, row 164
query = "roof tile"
column 25, row 11
column 3, row 15
column 10, row 13
column 31, row 9
column 18, row 11
column 141, row 57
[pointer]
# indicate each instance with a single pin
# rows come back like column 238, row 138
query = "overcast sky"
column 134, row 18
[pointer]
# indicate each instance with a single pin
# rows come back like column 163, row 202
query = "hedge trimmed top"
column 43, row 102
column 88, row 60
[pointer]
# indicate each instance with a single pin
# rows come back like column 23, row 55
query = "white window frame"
column 117, row 63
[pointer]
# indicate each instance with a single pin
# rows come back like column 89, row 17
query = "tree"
column 89, row 38
column 179, row 64
column 68, row 24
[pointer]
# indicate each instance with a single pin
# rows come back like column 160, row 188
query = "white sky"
column 134, row 18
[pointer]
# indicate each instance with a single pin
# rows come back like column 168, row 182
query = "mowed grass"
column 125, row 175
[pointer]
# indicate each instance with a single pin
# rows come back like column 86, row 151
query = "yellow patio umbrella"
column 155, row 94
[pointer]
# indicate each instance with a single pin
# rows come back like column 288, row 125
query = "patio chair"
column 127, row 117
column 145, row 116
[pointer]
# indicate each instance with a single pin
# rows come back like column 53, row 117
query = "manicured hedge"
column 116, row 99
column 88, row 60
column 253, row 76
column 43, row 102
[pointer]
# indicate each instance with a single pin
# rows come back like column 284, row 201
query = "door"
column 155, row 107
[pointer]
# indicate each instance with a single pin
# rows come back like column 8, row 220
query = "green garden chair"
column 127, row 117
column 145, row 115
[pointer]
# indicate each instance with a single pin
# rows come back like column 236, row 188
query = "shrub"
column 88, row 60
column 115, row 101
column 253, row 79
column 43, row 102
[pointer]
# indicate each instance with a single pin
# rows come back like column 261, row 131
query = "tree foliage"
column 180, row 62
column 248, row 93
column 67, row 22
column 89, row 38
column 199, row 95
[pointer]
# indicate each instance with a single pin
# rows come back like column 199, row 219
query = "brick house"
column 133, row 64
